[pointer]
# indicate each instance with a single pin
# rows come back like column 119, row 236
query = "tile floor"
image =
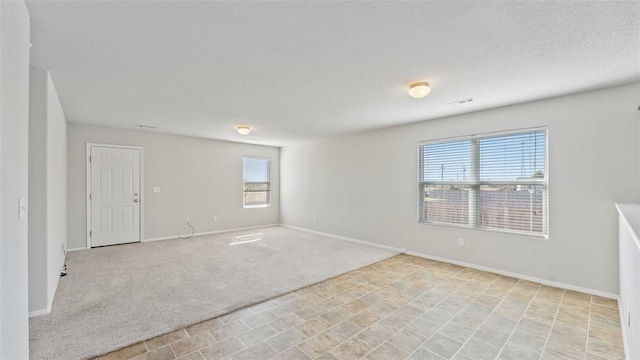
column 405, row 308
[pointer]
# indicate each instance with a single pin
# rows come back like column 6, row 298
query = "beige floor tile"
column 605, row 349
column 512, row 351
column 125, row 353
column 222, row 349
column 421, row 354
column 162, row 353
column 257, row 335
column 375, row 335
column 196, row 355
column 286, row 340
column 286, row 322
column 258, row 351
column 258, row 319
column 318, row 345
column 364, row 319
column 337, row 315
column 602, row 301
column 192, row 344
column 479, row 350
column 456, row 331
column 203, row 326
column 352, row 349
column 314, row 326
column 550, row 354
column 407, row 340
column 310, row 312
column 528, row 340
column 605, row 311
column 292, row 354
column 442, row 345
column 387, row 351
column 491, row 336
column 228, row 330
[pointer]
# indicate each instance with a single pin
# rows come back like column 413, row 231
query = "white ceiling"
column 299, row 71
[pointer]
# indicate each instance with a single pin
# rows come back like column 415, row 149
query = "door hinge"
column 90, row 233
column 89, row 158
column 89, row 196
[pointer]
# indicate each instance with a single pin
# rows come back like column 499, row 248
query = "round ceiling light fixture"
column 419, row 89
column 244, row 130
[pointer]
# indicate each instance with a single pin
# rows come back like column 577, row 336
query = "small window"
column 493, row 181
column 257, row 187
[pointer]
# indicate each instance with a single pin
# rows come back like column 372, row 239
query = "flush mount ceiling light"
column 244, row 130
column 419, row 89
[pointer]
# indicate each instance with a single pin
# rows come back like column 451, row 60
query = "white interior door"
column 114, row 195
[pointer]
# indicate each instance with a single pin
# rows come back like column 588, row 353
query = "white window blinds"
column 496, row 182
column 256, row 183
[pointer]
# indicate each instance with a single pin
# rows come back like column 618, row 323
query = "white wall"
column 198, row 178
column 14, row 112
column 47, row 190
column 365, row 187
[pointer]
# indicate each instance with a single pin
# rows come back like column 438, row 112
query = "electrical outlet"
column 315, row 219
column 215, row 219
column 461, row 242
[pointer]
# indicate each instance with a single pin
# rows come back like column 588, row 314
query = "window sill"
column 256, row 206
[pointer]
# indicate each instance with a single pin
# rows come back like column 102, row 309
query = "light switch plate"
column 156, row 189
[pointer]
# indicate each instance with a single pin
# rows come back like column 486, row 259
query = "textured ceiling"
column 299, row 71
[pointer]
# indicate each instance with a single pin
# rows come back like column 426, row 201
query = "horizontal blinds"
column 517, row 157
column 495, row 182
column 446, row 161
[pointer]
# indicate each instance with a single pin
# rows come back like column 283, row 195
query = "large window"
column 257, row 186
column 493, row 181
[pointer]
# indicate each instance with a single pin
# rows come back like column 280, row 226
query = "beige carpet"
column 119, row 295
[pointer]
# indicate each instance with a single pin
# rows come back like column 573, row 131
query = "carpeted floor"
column 119, row 295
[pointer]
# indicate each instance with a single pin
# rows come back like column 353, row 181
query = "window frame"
column 268, row 183
column 479, row 183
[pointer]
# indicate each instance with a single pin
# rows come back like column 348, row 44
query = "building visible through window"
column 256, row 183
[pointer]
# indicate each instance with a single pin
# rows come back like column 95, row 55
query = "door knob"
column 136, row 200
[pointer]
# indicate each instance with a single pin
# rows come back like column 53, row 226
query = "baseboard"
column 210, row 232
column 400, row 250
column 77, row 249
column 39, row 312
column 519, row 276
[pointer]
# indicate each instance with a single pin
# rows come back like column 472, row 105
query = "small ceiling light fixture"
column 419, row 89
column 244, row 130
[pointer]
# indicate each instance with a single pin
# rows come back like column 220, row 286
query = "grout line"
column 586, row 342
column 553, row 323
column 488, row 316
column 450, row 320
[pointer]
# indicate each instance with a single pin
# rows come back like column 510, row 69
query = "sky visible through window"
column 502, row 158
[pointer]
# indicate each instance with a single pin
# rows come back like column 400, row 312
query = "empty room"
column 319, row 180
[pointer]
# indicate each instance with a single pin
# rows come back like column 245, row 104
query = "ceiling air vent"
column 146, row 126
column 463, row 101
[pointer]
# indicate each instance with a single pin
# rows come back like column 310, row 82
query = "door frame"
column 88, row 186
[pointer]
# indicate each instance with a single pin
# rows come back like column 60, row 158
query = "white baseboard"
column 209, row 232
column 196, row 234
column 399, row 250
column 77, row 249
column 39, row 312
column 519, row 276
